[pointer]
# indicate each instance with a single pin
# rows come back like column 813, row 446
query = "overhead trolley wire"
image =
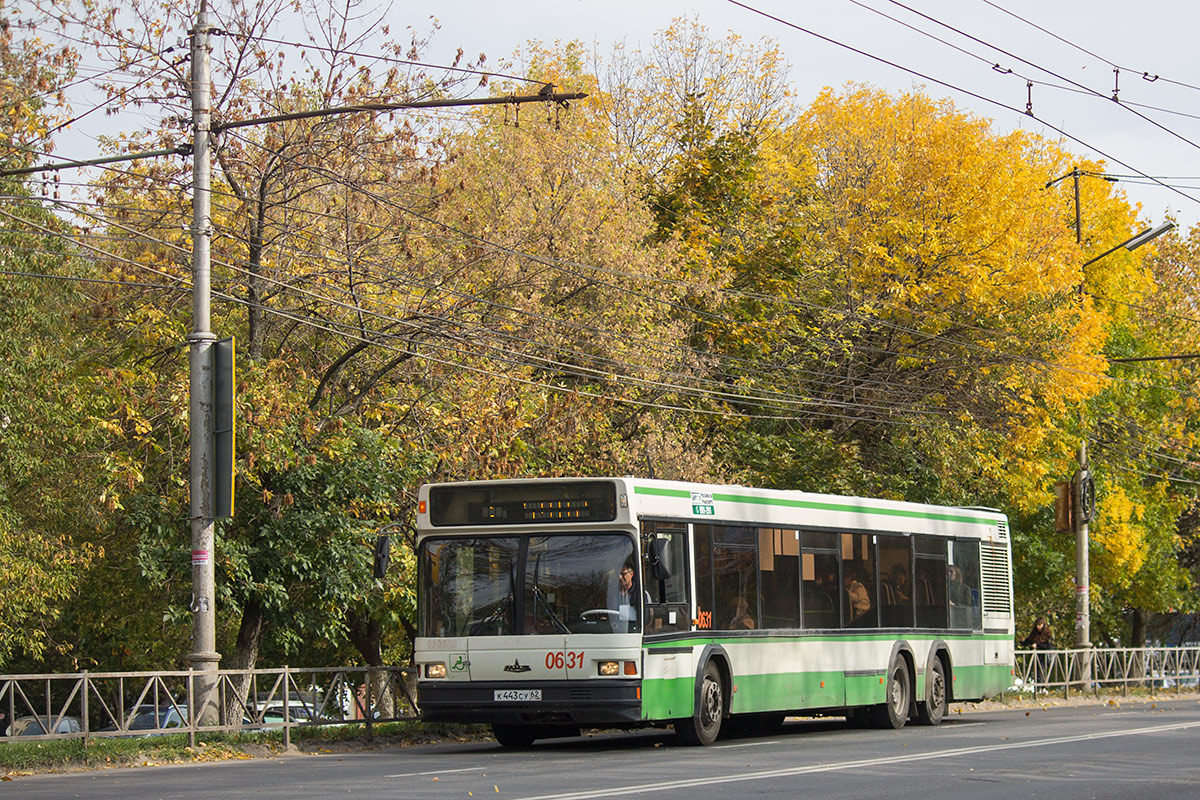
column 1145, row 74
column 1081, row 86
column 982, row 98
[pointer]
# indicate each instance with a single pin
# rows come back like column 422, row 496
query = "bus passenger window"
column 965, row 609
column 895, row 582
column 735, row 574
column 819, row 590
column 779, row 576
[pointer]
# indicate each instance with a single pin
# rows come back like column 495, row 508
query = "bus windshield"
column 514, row 585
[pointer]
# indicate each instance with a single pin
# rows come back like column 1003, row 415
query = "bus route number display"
column 523, row 503
column 702, row 504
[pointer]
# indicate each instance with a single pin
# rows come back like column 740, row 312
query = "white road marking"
column 747, row 744
column 436, row 772
column 666, row 786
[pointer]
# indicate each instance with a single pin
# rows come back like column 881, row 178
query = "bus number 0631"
column 560, row 659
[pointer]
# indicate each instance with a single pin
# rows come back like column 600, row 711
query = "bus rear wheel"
column 704, row 725
column 936, row 697
column 893, row 712
column 514, row 737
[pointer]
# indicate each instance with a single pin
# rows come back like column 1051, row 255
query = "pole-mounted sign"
column 224, row 426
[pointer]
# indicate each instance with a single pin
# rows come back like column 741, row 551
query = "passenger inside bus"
column 900, row 583
column 960, row 595
column 856, row 594
column 741, row 619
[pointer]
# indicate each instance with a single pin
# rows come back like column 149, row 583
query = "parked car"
column 148, row 720
column 42, row 724
column 148, row 717
column 298, row 711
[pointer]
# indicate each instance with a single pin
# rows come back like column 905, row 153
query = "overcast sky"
column 1081, row 43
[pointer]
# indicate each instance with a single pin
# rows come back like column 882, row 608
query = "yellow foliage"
column 1119, row 533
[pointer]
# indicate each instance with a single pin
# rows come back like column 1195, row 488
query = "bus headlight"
column 610, row 668
column 437, row 670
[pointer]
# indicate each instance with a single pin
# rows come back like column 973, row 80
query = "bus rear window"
column 523, row 503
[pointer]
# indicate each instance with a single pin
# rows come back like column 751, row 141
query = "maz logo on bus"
column 560, row 659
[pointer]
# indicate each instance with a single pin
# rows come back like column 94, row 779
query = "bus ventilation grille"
column 582, row 693
column 994, row 564
column 1002, row 531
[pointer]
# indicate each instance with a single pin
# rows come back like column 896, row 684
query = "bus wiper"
column 482, row 625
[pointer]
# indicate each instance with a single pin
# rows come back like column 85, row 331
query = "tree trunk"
column 245, row 657
column 1137, row 635
column 366, row 634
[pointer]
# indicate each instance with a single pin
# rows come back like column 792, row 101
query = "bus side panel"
column 787, row 691
column 976, row 673
column 865, row 688
column 669, row 683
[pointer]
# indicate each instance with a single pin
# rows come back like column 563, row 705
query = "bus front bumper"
column 593, row 702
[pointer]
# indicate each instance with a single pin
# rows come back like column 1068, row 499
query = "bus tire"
column 704, row 725
column 893, row 712
column 514, row 737
column 937, row 698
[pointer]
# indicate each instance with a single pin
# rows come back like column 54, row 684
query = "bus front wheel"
column 893, row 712
column 705, row 723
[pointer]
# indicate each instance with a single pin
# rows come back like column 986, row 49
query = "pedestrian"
column 1040, row 638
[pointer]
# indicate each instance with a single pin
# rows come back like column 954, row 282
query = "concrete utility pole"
column 204, row 656
column 1083, row 621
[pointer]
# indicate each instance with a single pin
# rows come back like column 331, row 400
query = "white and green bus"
column 548, row 605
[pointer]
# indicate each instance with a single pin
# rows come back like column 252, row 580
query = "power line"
column 982, row 98
column 1081, row 86
column 378, row 57
column 1145, row 74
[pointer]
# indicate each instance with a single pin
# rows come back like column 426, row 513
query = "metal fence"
column 92, row 705
column 1096, row 669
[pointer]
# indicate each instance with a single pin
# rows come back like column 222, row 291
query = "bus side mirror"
column 383, row 548
column 660, row 559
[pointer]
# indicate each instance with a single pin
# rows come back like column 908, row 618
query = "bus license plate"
column 518, row 695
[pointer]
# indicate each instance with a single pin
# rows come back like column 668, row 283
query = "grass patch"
column 402, row 732
column 17, row 758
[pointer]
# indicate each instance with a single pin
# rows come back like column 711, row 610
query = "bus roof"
column 702, row 502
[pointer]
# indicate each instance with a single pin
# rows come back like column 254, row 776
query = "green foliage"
column 50, row 446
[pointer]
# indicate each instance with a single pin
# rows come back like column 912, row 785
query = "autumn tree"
column 53, row 472
column 1141, row 431
column 310, row 217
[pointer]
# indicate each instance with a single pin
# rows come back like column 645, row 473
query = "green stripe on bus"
column 672, row 698
column 817, row 506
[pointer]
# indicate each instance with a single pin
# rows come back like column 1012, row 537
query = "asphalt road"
column 1132, row 750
